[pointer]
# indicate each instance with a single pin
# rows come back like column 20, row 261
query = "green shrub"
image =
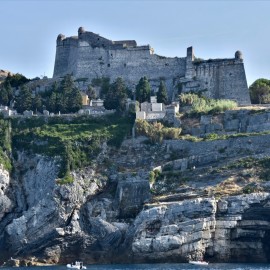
column 203, row 105
column 67, row 179
column 156, row 131
column 5, row 144
column 76, row 141
column 153, row 175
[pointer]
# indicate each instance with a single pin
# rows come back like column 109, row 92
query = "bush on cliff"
column 77, row 141
column 202, row 105
column 5, row 144
column 156, row 131
column 260, row 91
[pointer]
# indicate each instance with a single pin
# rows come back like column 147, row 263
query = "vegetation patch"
column 156, row 131
column 77, row 142
column 167, row 181
column 201, row 105
column 5, row 144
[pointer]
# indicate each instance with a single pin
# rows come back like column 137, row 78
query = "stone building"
column 90, row 55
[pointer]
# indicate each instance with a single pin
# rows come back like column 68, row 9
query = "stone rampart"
column 208, row 152
column 230, row 122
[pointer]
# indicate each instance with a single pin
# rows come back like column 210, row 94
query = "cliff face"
column 231, row 229
column 206, row 199
column 102, row 219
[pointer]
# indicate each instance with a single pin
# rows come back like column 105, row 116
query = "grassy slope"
column 77, row 141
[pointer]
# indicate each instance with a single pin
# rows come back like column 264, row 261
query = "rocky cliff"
column 208, row 199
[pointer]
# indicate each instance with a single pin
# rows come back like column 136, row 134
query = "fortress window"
column 125, row 65
column 98, row 39
column 166, row 64
column 111, row 54
column 109, row 65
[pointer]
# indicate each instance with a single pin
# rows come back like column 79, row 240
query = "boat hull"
column 198, row 262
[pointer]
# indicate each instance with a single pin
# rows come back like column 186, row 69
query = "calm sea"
column 182, row 266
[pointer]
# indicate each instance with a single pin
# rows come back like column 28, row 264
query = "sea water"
column 182, row 266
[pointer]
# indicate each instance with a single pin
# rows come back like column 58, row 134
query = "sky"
column 215, row 29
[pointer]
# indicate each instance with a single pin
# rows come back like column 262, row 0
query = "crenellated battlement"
column 89, row 55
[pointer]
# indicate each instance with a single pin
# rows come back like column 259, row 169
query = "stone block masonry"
column 89, row 55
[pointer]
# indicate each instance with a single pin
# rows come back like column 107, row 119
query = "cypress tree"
column 162, row 93
column 116, row 96
column 143, row 90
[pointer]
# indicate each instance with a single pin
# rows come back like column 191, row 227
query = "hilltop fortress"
column 89, row 55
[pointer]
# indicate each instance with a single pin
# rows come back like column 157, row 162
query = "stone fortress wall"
column 222, row 78
column 89, row 55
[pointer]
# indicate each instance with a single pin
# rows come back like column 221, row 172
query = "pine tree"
column 6, row 93
column 75, row 101
column 3, row 96
column 162, row 93
column 67, row 98
column 143, row 90
column 51, row 103
column 37, row 104
column 24, row 99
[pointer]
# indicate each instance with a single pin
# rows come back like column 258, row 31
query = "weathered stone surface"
column 103, row 218
column 236, row 121
column 5, row 203
column 207, row 233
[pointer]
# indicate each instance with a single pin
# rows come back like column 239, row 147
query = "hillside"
column 83, row 188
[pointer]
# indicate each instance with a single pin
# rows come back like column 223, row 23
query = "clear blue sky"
column 216, row 29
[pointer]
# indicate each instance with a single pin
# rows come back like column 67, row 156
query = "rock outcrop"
column 108, row 215
column 232, row 229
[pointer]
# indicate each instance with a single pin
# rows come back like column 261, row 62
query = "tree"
column 37, row 103
column 16, row 80
column 143, row 90
column 260, row 91
column 3, row 96
column 116, row 96
column 91, row 92
column 66, row 98
column 74, row 101
column 6, row 94
column 162, row 93
column 24, row 99
column 51, row 102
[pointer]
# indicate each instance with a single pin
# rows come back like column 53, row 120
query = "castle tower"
column 189, row 66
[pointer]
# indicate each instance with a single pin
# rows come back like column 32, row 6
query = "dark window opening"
column 109, row 65
column 166, row 64
column 125, row 65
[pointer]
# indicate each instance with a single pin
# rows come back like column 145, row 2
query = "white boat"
column 76, row 265
column 198, row 262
